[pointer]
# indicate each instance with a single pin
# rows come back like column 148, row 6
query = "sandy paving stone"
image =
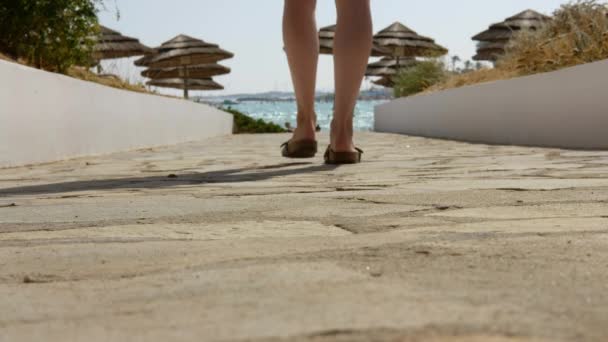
column 427, row 240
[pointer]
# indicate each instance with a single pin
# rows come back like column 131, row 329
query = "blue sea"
column 282, row 112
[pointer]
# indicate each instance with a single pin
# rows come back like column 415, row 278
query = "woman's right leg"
column 302, row 47
column 352, row 48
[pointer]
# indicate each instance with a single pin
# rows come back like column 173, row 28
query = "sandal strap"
column 329, row 149
column 333, row 157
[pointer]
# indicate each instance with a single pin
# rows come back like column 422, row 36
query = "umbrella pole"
column 392, row 79
column 185, row 82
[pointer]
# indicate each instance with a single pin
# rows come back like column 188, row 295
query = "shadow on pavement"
column 251, row 174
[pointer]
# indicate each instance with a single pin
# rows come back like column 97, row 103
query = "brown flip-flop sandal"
column 299, row 149
column 337, row 158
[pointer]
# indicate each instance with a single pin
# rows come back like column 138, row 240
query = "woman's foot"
column 342, row 137
column 339, row 158
column 303, row 143
column 306, row 129
column 342, row 150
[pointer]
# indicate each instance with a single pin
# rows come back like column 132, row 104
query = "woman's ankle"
column 306, row 118
column 342, row 126
column 306, row 126
column 342, row 134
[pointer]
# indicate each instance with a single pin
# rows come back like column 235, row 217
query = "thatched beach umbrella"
column 490, row 51
column 196, row 71
column 187, row 59
column 111, row 44
column 191, row 84
column 386, row 81
column 145, row 60
column 186, row 51
column 388, row 66
column 493, row 41
column 326, row 39
column 401, row 41
column 326, row 43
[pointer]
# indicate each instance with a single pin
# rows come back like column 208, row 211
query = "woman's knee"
column 352, row 6
column 301, row 6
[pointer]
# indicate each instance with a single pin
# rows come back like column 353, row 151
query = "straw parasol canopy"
column 111, row 44
column 388, row 66
column 145, row 60
column 184, row 51
column 326, row 39
column 185, row 63
column 490, row 51
column 494, row 40
column 386, row 81
column 190, row 84
column 196, row 71
column 402, row 41
column 326, row 43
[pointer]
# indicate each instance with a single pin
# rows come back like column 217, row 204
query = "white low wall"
column 566, row 108
column 47, row 117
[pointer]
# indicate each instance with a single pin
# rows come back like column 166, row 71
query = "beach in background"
column 285, row 111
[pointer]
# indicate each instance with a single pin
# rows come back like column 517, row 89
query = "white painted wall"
column 566, row 108
column 47, row 117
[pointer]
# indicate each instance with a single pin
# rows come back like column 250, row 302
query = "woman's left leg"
column 302, row 46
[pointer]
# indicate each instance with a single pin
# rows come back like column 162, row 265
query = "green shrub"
column 246, row 124
column 417, row 78
column 48, row 34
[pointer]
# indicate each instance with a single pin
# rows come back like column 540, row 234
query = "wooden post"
column 185, row 72
column 398, row 68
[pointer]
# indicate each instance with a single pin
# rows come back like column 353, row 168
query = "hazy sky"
column 251, row 29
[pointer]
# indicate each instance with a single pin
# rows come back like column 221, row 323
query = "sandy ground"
column 427, row 240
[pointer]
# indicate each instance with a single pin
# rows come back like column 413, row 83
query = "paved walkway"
column 427, row 240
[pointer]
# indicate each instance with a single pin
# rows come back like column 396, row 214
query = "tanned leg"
column 302, row 47
column 352, row 48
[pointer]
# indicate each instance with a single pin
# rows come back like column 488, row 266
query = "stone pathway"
column 427, row 240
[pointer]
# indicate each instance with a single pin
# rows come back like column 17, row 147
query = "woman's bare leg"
column 302, row 46
column 352, row 48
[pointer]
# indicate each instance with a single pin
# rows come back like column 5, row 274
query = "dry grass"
column 473, row 77
column 6, row 58
column 107, row 80
column 578, row 34
column 85, row 74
